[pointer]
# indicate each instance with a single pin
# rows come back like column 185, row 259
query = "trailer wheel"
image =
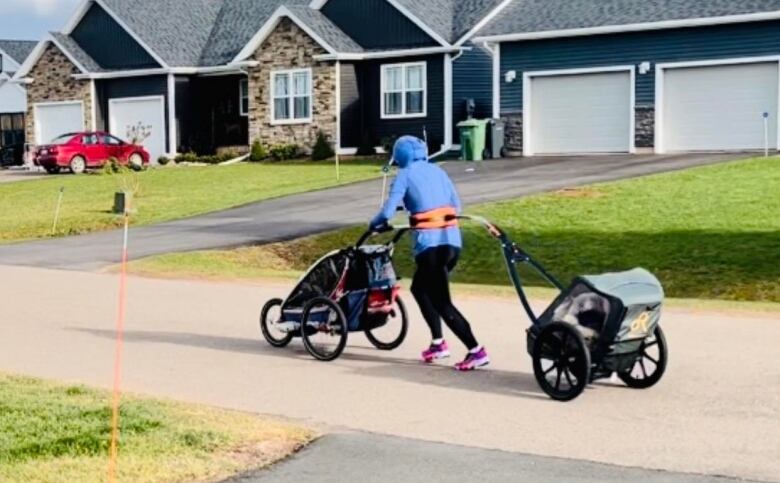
column 269, row 317
column 649, row 368
column 324, row 329
column 561, row 360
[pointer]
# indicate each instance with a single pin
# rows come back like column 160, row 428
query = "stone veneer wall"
column 645, row 127
column 53, row 82
column 289, row 47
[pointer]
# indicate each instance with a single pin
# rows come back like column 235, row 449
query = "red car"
column 81, row 151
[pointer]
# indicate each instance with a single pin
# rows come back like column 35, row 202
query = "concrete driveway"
column 12, row 175
column 717, row 411
column 315, row 212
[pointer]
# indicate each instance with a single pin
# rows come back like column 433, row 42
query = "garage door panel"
column 54, row 120
column 126, row 115
column 720, row 108
column 584, row 113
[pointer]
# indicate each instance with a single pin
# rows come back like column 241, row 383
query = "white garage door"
column 719, row 108
column 55, row 119
column 141, row 119
column 582, row 113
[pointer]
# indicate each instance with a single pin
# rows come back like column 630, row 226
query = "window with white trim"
column 291, row 92
column 404, row 90
column 243, row 99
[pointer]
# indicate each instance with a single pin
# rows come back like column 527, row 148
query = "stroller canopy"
column 635, row 287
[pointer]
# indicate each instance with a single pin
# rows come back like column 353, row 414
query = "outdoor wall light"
column 510, row 76
column 645, row 67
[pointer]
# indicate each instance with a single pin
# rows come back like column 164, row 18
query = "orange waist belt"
column 435, row 219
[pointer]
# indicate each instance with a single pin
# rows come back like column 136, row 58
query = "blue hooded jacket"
column 421, row 186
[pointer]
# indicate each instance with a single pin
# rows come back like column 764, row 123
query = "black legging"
column 431, row 289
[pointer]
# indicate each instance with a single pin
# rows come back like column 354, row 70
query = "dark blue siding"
column 108, row 43
column 129, row 87
column 375, row 24
column 701, row 43
column 361, row 116
column 472, row 75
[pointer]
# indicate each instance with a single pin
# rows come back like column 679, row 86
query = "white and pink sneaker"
column 473, row 361
column 436, row 352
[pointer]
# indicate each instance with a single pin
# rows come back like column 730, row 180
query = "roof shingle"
column 534, row 16
column 18, row 50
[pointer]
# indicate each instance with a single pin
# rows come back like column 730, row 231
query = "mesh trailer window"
column 291, row 91
column 404, row 90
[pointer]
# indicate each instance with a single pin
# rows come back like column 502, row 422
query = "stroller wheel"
column 392, row 334
column 561, row 361
column 651, row 364
column 324, row 329
column 269, row 317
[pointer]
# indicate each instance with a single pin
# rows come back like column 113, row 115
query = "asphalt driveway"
column 315, row 212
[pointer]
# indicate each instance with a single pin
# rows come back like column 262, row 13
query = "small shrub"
column 111, row 166
column 163, row 160
column 284, row 152
column 366, row 147
column 186, row 158
column 258, row 153
column 322, row 149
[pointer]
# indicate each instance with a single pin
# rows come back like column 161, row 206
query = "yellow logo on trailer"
column 642, row 324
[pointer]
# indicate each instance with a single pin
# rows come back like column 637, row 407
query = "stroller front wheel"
column 324, row 329
column 269, row 317
column 561, row 360
column 380, row 338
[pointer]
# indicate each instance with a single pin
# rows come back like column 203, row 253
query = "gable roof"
column 18, row 50
column 451, row 19
column 325, row 29
column 74, row 52
column 237, row 23
column 527, row 19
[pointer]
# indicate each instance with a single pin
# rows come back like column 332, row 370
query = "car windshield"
column 64, row 139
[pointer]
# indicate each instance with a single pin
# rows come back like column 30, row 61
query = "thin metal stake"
column 57, row 211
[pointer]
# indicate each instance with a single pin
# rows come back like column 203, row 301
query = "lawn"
column 27, row 208
column 708, row 233
column 57, row 433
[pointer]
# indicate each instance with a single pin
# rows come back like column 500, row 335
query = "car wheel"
column 136, row 161
column 78, row 165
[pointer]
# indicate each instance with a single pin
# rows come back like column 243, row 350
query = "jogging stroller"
column 349, row 290
column 597, row 326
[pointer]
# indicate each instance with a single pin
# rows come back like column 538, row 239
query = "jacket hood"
column 408, row 150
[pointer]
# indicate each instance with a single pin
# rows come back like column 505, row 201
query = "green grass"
column 708, row 233
column 57, row 433
column 27, row 208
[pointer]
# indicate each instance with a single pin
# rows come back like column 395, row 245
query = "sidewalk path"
column 717, row 412
column 382, row 459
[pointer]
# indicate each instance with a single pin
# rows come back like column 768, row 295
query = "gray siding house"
column 621, row 76
column 209, row 74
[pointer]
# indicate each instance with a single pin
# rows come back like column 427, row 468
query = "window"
column 404, row 90
column 243, row 100
column 89, row 140
column 291, row 93
column 111, row 140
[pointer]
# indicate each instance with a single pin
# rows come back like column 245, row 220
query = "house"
column 13, row 96
column 621, row 76
column 207, row 74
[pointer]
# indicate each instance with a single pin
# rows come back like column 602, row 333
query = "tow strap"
column 439, row 218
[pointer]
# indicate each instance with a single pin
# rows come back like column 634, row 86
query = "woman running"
column 430, row 198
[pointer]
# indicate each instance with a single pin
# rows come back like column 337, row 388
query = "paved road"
column 15, row 174
column 383, row 459
column 717, row 412
column 305, row 214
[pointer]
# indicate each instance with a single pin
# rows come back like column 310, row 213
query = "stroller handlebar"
column 386, row 228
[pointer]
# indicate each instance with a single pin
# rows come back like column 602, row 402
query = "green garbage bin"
column 473, row 135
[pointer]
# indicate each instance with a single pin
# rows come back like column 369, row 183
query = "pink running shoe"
column 473, row 361
column 435, row 352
